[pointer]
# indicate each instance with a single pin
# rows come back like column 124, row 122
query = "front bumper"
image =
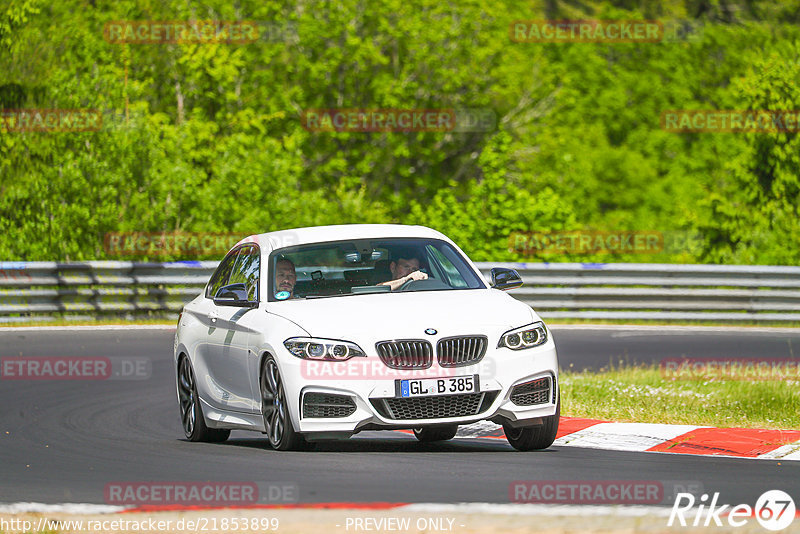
column 373, row 404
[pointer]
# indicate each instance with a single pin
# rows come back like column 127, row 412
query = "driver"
column 404, row 269
column 285, row 276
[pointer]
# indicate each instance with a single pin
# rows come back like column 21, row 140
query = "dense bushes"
column 208, row 137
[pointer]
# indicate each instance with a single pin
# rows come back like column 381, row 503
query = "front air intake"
column 531, row 393
column 327, row 405
column 434, row 407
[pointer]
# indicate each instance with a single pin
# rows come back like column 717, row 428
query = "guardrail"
column 34, row 291
column 659, row 291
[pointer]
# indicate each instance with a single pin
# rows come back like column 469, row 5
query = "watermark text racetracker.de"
column 50, row 120
column 168, row 243
column 375, row 369
column 180, row 31
column 208, row 494
column 730, row 369
column 730, row 121
column 606, row 31
column 199, row 32
column 75, row 368
column 606, row 242
column 399, row 120
column 586, row 31
column 586, row 242
column 627, row 492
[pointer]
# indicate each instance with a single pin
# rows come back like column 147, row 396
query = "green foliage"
column 208, row 137
column 493, row 208
column 756, row 214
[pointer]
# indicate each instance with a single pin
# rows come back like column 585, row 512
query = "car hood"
column 407, row 314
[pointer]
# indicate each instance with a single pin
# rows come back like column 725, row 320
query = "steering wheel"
column 407, row 284
column 429, row 284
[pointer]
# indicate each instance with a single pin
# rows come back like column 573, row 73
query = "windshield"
column 368, row 266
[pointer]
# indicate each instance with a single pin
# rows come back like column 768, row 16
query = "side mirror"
column 234, row 295
column 505, row 279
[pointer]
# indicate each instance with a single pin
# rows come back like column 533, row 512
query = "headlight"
column 524, row 337
column 310, row 348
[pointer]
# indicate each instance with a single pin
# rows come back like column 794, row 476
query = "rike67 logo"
column 774, row 510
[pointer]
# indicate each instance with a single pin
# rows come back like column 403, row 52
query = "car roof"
column 321, row 234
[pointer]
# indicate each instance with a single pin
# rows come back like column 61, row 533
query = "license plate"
column 425, row 387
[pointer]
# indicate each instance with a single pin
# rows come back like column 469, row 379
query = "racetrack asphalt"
column 64, row 441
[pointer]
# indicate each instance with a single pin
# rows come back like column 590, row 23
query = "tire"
column 435, row 433
column 536, row 437
column 275, row 410
column 192, row 419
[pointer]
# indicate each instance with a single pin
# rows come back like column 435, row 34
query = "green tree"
column 756, row 212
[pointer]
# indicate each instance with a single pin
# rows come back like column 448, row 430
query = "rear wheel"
column 194, row 424
column 535, row 437
column 436, row 433
column 275, row 410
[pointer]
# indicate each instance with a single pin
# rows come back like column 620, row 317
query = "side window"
column 452, row 275
column 245, row 271
column 220, row 276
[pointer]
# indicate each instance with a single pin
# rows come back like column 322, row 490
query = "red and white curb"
column 653, row 437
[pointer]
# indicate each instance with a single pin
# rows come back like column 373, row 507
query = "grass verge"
column 641, row 395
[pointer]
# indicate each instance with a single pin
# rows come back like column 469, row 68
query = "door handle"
column 213, row 316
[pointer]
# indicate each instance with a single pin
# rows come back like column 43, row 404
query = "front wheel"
column 192, row 419
column 436, row 433
column 275, row 410
column 535, row 437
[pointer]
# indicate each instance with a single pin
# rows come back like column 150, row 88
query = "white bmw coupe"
column 320, row 333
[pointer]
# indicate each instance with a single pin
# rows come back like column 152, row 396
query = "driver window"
column 221, row 275
column 246, row 271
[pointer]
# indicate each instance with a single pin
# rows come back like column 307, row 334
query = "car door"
column 227, row 353
column 206, row 313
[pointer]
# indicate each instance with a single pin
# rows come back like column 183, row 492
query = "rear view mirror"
column 363, row 255
column 352, row 257
column 505, row 279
